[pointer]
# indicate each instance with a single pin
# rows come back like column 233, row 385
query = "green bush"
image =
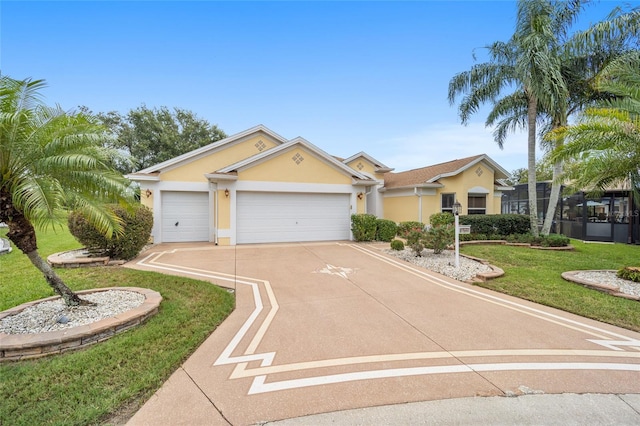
column 386, row 230
column 363, row 227
column 439, row 238
column 405, row 228
column 438, row 219
column 397, row 245
column 137, row 224
column 519, row 238
column 416, row 241
column 554, row 240
column 631, row 273
column 497, row 224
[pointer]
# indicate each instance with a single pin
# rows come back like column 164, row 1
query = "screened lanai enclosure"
column 611, row 217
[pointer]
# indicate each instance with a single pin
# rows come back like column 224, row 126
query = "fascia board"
column 380, row 166
column 212, row 147
column 220, row 176
column 142, row 178
column 420, row 185
column 251, row 161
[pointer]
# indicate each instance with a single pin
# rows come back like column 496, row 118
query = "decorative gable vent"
column 260, row 145
column 479, row 171
column 298, row 158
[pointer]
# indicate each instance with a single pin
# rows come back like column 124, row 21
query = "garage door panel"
column 290, row 217
column 185, row 216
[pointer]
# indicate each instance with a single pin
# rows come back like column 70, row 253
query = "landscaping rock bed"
column 606, row 281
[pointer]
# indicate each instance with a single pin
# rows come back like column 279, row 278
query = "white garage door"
column 185, row 216
column 267, row 217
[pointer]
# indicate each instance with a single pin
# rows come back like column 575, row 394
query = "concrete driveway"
column 336, row 326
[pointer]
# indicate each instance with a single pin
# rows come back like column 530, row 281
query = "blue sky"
column 347, row 76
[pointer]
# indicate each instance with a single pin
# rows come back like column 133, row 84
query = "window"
column 447, row 201
column 477, row 204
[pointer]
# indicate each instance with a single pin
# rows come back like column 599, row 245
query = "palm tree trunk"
column 532, row 113
column 23, row 235
column 556, row 185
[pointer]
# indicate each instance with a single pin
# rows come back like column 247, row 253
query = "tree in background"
column 607, row 137
column 51, row 160
column 547, row 72
column 151, row 136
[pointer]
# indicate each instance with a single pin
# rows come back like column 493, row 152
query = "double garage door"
column 261, row 217
column 268, row 217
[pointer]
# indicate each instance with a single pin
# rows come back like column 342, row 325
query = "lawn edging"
column 16, row 347
column 610, row 289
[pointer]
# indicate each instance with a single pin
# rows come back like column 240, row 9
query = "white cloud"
column 445, row 142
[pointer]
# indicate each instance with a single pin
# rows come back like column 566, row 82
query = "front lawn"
column 535, row 275
column 91, row 386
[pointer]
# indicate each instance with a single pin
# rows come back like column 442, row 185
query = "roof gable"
column 378, row 165
column 264, row 156
column 211, row 148
column 431, row 174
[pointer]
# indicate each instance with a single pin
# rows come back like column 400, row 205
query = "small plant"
column 405, row 228
column 439, row 238
column 631, row 273
column 363, row 227
column 397, row 245
column 415, row 240
column 386, row 230
column 439, row 219
column 554, row 240
column 137, row 223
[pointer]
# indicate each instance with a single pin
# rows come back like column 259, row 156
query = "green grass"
column 535, row 275
column 91, row 385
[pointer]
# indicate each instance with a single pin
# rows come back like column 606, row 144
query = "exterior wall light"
column 147, row 193
column 360, row 195
column 226, row 192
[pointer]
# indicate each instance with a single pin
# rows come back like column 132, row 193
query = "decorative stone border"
column 68, row 259
column 15, row 347
column 612, row 290
column 485, row 276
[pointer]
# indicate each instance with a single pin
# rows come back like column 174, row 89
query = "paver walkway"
column 336, row 326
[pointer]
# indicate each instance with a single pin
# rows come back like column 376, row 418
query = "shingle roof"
column 427, row 174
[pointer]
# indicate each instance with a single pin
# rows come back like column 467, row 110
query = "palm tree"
column 527, row 64
column 51, row 160
column 550, row 75
column 607, row 138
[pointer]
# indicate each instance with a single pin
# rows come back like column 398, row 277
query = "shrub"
column 397, row 245
column 439, row 238
column 136, row 222
column 363, row 227
column 554, row 240
column 498, row 224
column 415, row 240
column 438, row 219
column 519, row 238
column 405, row 228
column 631, row 273
column 386, row 230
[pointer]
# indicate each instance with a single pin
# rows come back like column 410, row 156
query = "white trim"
column 213, row 147
column 483, row 157
column 478, row 190
column 263, row 156
column 265, row 186
column 142, row 178
column 380, row 167
column 214, row 177
column 407, row 192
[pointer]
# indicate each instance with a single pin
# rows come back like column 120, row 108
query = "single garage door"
column 185, row 216
column 268, row 217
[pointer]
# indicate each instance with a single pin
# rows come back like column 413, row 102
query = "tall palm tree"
column 526, row 64
column 51, row 160
column 607, row 138
column 549, row 74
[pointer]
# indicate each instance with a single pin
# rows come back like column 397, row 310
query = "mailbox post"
column 456, row 213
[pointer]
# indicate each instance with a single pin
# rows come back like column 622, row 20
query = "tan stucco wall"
column 367, row 167
column 194, row 171
column 224, row 241
column 401, row 209
column 462, row 183
column 224, row 209
column 361, row 206
column 146, row 201
column 283, row 168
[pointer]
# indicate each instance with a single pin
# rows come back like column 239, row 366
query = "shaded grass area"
column 535, row 275
column 88, row 386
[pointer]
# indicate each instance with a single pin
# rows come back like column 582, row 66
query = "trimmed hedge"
column 497, row 224
column 397, row 245
column 363, row 227
column 137, row 225
column 444, row 218
column 386, row 230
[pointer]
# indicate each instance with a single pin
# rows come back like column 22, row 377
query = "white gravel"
column 55, row 315
column 443, row 263
column 610, row 278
